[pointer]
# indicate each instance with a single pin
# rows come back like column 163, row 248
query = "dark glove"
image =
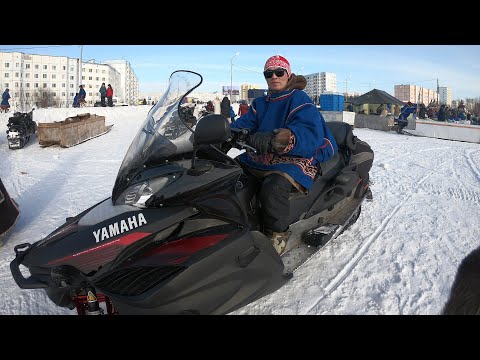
column 261, row 141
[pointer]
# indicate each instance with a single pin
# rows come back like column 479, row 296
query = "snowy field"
column 399, row 258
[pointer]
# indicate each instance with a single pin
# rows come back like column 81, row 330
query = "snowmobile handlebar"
column 240, row 138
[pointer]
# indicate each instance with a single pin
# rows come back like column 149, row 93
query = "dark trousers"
column 102, row 100
column 110, row 101
column 273, row 195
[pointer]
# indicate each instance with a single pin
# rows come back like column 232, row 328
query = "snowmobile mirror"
column 211, row 129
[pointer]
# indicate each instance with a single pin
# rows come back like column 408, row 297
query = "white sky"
column 399, row 258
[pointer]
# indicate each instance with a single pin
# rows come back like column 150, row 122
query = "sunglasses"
column 278, row 73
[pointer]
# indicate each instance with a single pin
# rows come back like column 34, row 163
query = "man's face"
column 278, row 80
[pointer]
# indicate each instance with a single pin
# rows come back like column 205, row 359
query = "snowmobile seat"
column 343, row 134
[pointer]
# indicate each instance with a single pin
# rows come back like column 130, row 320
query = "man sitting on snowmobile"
column 407, row 109
column 292, row 140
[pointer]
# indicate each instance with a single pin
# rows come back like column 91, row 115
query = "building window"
column 54, row 85
column 71, row 94
column 35, row 76
column 27, row 75
column 44, row 76
column 54, row 94
column 36, row 85
column 71, row 68
column 16, row 75
column 89, row 78
column 44, row 67
column 90, row 86
column 27, row 94
column 71, row 86
column 17, row 65
column 44, row 85
column 54, row 67
column 54, row 76
column 63, row 94
column 71, row 77
column 83, row 77
column 27, row 66
column 96, row 78
column 7, row 65
column 16, row 85
column 6, row 85
column 89, row 70
column 27, row 85
column 63, row 84
column 63, row 76
column 64, row 68
column 6, row 75
column 36, row 67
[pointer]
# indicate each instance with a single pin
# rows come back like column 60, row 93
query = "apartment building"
column 27, row 74
column 414, row 94
column 319, row 83
column 244, row 90
column 445, row 95
column 128, row 89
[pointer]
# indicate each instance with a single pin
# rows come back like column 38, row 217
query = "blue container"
column 331, row 102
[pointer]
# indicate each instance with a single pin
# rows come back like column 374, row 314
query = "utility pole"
column 80, row 69
column 438, row 93
column 231, row 75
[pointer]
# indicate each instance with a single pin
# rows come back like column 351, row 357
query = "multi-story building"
column 128, row 81
column 244, row 90
column 319, row 83
column 27, row 74
column 415, row 94
column 445, row 95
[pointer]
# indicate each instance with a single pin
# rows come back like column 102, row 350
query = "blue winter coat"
column 406, row 111
column 82, row 94
column 232, row 113
column 5, row 97
column 311, row 142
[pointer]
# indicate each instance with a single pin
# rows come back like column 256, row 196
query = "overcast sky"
column 399, row 258
column 359, row 68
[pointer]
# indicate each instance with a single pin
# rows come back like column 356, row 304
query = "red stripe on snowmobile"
column 106, row 249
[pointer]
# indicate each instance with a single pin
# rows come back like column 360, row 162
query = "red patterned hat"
column 278, row 61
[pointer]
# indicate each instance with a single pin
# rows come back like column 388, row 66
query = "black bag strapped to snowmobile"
column 362, row 157
column 8, row 210
column 20, row 127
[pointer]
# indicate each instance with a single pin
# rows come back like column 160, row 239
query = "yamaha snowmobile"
column 180, row 233
column 20, row 127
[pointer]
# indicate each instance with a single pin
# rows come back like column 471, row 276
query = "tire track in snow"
column 471, row 163
column 348, row 268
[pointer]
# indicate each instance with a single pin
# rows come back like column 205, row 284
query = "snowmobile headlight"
column 138, row 194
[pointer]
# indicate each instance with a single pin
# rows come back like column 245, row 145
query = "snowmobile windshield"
column 164, row 133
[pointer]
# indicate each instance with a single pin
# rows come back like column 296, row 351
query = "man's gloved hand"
column 261, row 141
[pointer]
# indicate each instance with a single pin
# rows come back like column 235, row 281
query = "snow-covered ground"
column 399, row 258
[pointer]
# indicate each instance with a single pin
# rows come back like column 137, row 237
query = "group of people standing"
column 105, row 93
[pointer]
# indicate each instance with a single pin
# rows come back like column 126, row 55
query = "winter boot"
column 279, row 239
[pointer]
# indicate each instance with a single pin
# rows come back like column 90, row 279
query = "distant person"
column 76, row 101
column 110, row 95
column 209, row 107
column 216, row 106
column 103, row 94
column 225, row 107
column 396, row 111
column 232, row 114
column 422, row 112
column 144, row 102
column 380, row 109
column 243, row 108
column 5, row 105
column 82, row 95
column 402, row 118
column 350, row 107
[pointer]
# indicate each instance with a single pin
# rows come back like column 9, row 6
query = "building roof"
column 376, row 97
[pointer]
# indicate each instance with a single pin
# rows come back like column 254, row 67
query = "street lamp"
column 231, row 74
column 346, row 86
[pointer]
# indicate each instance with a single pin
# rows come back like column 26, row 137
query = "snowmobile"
column 180, row 233
column 20, row 127
column 9, row 211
